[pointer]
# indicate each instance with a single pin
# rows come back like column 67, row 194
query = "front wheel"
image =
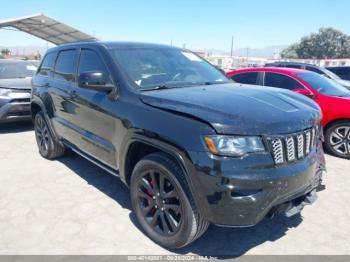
column 163, row 204
column 337, row 139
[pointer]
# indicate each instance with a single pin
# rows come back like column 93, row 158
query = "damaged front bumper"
column 241, row 192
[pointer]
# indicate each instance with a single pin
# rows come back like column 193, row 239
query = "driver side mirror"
column 97, row 81
column 304, row 92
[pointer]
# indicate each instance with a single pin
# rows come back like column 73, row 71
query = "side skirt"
column 93, row 160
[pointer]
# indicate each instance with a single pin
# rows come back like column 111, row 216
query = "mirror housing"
column 304, row 92
column 97, row 81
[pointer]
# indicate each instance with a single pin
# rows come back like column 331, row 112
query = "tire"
column 176, row 221
column 337, row 139
column 48, row 146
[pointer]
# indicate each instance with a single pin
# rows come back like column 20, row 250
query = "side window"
column 246, row 78
column 90, row 61
column 47, row 64
column 64, row 68
column 292, row 66
column 281, row 81
column 313, row 69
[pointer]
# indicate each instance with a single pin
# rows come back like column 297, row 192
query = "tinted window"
column 91, row 62
column 64, row 68
column 291, row 66
column 343, row 72
column 313, row 69
column 324, row 85
column 47, row 64
column 281, row 81
column 246, row 78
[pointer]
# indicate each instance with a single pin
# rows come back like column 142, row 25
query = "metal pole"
column 232, row 46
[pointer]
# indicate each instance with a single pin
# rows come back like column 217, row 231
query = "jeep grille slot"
column 292, row 147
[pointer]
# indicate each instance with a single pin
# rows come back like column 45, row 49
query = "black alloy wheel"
column 163, row 203
column 159, row 202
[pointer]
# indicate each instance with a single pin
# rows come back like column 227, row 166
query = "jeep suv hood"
column 16, row 83
column 239, row 109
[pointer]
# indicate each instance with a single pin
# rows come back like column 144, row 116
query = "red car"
column 333, row 99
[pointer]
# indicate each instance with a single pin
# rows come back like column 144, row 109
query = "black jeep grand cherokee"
column 193, row 147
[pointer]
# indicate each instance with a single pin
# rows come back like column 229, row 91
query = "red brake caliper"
column 150, row 193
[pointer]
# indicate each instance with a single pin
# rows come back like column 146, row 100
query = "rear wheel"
column 338, row 139
column 163, row 204
column 47, row 144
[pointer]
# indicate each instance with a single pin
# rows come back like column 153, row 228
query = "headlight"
column 5, row 91
column 234, row 145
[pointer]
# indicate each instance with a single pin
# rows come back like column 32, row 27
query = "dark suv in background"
column 342, row 71
column 193, row 147
column 316, row 69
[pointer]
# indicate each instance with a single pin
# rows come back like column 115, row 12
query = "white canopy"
column 47, row 29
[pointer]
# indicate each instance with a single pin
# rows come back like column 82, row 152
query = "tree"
column 327, row 43
column 290, row 52
column 5, row 51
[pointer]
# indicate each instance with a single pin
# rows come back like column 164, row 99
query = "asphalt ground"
column 70, row 206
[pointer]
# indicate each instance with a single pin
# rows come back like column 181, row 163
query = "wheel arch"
column 35, row 106
column 139, row 146
column 178, row 155
column 335, row 121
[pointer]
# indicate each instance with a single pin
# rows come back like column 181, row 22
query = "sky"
column 199, row 24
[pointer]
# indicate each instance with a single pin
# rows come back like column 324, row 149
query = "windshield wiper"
column 160, row 87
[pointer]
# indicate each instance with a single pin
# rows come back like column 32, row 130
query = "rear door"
column 62, row 87
column 281, row 81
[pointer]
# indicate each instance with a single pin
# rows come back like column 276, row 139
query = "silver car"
column 15, row 90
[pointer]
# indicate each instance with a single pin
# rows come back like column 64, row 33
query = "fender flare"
column 39, row 103
column 179, row 155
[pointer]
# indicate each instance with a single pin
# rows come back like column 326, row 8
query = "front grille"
column 27, row 91
column 290, row 148
column 20, row 100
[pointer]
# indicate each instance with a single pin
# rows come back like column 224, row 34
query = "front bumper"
column 241, row 192
column 15, row 108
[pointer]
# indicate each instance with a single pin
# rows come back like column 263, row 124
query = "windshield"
column 151, row 68
column 16, row 70
column 324, row 85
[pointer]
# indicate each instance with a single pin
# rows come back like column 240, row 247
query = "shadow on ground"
column 16, row 127
column 217, row 241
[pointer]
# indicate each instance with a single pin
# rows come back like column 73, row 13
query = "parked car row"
column 316, row 69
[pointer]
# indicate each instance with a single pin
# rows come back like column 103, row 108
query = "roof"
column 117, row 45
column 282, row 70
column 290, row 63
column 47, row 28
